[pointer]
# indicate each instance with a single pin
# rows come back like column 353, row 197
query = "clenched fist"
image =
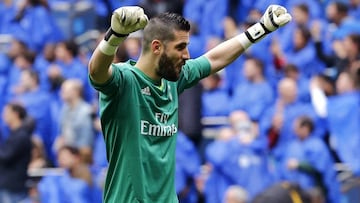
column 274, row 17
column 128, row 19
column 124, row 21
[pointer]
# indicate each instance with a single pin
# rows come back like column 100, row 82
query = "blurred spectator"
column 345, row 56
column 34, row 24
column 309, row 163
column 315, row 9
column 16, row 48
column 301, row 17
column 23, row 61
column 187, row 169
column 235, row 194
column 215, row 100
column 342, row 24
column 341, row 112
column 302, row 54
column 15, row 154
column 74, row 185
column 68, row 65
column 241, row 160
column 291, row 71
column 76, row 125
column 261, row 92
column 37, row 103
column 43, row 61
column 276, row 124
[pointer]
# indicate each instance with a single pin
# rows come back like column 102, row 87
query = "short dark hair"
column 303, row 7
column 305, row 121
column 72, row 149
column 258, row 63
column 72, row 47
column 162, row 27
column 290, row 68
column 19, row 109
column 341, row 7
column 305, row 32
column 33, row 74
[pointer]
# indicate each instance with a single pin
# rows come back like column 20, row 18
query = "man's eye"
column 181, row 48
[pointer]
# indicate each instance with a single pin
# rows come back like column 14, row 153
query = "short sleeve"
column 113, row 84
column 193, row 71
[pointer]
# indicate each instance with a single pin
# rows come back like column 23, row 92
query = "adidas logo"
column 146, row 91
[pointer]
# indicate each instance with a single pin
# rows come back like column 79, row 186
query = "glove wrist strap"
column 252, row 35
column 110, row 32
column 111, row 41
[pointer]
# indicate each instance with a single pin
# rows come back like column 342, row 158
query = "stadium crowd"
column 291, row 103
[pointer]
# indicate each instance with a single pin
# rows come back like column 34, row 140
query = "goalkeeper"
column 139, row 99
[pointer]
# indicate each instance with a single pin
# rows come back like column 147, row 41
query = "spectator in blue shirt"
column 43, row 61
column 301, row 17
column 309, row 163
column 23, row 61
column 241, row 160
column 16, row 48
column 341, row 112
column 337, row 13
column 261, row 92
column 37, row 103
column 276, row 124
column 215, row 99
column 303, row 53
column 291, row 71
column 69, row 66
column 74, row 184
column 34, row 22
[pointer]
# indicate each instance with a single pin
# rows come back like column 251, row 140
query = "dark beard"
column 167, row 69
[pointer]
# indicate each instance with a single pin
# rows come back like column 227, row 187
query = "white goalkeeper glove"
column 124, row 21
column 274, row 17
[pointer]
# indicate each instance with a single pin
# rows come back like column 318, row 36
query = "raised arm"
column 124, row 20
column 274, row 17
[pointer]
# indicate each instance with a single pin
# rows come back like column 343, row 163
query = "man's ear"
column 156, row 46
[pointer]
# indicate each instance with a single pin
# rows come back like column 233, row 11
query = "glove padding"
column 128, row 19
column 124, row 21
column 274, row 17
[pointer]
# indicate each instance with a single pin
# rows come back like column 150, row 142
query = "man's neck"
column 148, row 64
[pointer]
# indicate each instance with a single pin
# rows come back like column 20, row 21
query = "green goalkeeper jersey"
column 139, row 123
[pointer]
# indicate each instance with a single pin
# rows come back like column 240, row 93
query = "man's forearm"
column 224, row 54
column 99, row 66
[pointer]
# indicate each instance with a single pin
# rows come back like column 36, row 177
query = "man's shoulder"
column 123, row 68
